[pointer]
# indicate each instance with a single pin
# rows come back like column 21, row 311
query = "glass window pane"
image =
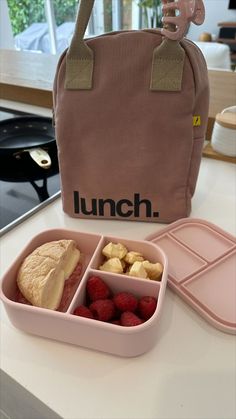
column 107, row 4
column 151, row 13
column 30, row 25
column 25, row 12
column 65, row 10
column 126, row 14
column 35, row 28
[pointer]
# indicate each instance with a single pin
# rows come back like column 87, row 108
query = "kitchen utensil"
column 28, row 134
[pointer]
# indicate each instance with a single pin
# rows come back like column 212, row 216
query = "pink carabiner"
column 189, row 11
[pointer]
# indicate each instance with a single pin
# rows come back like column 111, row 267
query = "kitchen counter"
column 27, row 77
column 190, row 373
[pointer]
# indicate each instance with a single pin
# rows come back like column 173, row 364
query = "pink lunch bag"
column 131, row 110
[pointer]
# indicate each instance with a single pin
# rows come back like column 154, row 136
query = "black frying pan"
column 28, row 134
column 17, row 136
column 25, row 170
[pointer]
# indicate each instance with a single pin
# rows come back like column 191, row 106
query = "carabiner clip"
column 189, row 11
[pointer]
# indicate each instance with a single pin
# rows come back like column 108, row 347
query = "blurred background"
column 47, row 25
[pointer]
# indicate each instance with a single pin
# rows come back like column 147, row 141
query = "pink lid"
column 202, row 268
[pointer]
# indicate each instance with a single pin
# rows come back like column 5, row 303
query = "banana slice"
column 132, row 257
column 154, row 270
column 114, row 250
column 42, row 275
column 138, row 270
column 112, row 265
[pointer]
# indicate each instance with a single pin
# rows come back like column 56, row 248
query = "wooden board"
column 27, row 95
column 209, row 152
column 28, row 69
column 222, row 90
column 27, row 77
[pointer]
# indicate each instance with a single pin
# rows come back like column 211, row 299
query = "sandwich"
column 43, row 273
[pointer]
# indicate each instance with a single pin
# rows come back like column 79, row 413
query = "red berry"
column 146, row 307
column 129, row 319
column 97, row 289
column 125, row 301
column 117, row 313
column 103, row 310
column 83, row 311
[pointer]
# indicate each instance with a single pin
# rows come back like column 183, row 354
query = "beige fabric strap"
column 167, row 63
column 167, row 66
column 79, row 57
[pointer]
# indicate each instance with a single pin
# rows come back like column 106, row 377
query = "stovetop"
column 21, row 197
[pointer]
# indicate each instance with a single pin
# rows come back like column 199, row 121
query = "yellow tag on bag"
column 196, row 120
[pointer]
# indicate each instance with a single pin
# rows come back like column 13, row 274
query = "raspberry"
column 97, row 289
column 129, row 319
column 83, row 311
column 146, row 307
column 103, row 310
column 125, row 301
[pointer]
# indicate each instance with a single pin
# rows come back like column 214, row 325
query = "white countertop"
column 190, row 373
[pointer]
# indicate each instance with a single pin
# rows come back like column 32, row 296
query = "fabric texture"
column 127, row 151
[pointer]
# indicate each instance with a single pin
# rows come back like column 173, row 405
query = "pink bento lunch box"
column 201, row 269
column 66, row 327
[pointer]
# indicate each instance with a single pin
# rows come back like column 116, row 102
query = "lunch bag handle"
column 167, row 63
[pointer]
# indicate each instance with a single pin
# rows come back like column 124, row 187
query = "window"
column 48, row 25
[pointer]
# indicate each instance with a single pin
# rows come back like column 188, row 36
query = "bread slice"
column 42, row 275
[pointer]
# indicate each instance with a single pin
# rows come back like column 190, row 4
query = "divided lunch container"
column 66, row 327
column 201, row 269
